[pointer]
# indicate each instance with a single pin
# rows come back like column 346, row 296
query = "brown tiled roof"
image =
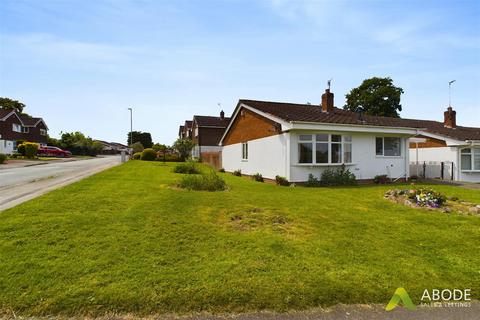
column 313, row 113
column 209, row 121
column 29, row 121
column 4, row 112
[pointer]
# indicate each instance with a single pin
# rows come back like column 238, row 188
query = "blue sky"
column 81, row 64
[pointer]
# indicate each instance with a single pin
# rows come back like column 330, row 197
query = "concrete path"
column 338, row 312
column 21, row 184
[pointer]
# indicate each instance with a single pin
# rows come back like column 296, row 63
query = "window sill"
column 388, row 157
column 244, row 160
column 470, row 171
column 323, row 164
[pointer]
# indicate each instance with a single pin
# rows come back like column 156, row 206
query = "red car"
column 53, row 152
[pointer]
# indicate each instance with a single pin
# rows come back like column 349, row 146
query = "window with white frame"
column 245, row 151
column 25, row 129
column 324, row 148
column 470, row 159
column 388, row 146
column 43, row 132
column 16, row 127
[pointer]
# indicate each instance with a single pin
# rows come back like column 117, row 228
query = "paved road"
column 21, row 184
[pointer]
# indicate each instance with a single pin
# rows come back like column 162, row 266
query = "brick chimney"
column 327, row 101
column 449, row 117
column 222, row 115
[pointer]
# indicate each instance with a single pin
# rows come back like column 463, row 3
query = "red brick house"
column 15, row 126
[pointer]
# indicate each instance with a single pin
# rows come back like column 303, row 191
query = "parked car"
column 53, row 152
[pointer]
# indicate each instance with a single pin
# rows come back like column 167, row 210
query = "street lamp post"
column 131, row 125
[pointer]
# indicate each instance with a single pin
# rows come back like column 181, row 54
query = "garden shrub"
column 137, row 147
column 257, row 177
column 312, row 181
column 281, row 181
column 381, row 179
column 137, row 156
column 221, row 170
column 189, row 167
column 332, row 177
column 3, row 157
column 148, row 155
column 21, row 149
column 206, row 181
column 237, row 173
column 29, row 149
column 338, row 177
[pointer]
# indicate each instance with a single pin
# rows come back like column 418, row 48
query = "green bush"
column 281, row 181
column 137, row 147
column 332, row 177
column 137, row 156
column 189, row 167
column 338, row 177
column 221, row 170
column 257, row 177
column 148, row 155
column 3, row 157
column 21, row 149
column 237, row 173
column 206, row 181
column 313, row 181
column 29, row 149
column 169, row 157
column 380, row 179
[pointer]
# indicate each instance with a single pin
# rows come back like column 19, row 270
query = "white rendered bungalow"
column 294, row 140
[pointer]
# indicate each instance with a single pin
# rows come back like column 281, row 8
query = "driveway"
column 21, row 184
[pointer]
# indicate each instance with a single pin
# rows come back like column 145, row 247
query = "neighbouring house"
column 185, row 131
column 15, row 126
column 113, row 147
column 206, row 134
column 295, row 140
column 445, row 150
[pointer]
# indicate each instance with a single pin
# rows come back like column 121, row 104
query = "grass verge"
column 125, row 241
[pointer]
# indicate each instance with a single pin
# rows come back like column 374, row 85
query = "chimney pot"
column 449, row 118
column 327, row 101
column 222, row 115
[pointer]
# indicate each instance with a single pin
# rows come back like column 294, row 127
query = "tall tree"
column 7, row 103
column 377, row 96
column 145, row 138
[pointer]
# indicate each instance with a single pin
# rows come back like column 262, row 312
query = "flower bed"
column 431, row 199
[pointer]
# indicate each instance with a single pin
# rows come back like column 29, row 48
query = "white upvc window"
column 43, row 132
column 470, row 159
column 245, row 151
column 324, row 148
column 25, row 129
column 388, row 146
column 16, row 127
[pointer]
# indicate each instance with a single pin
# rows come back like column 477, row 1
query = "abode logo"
column 446, row 298
column 400, row 295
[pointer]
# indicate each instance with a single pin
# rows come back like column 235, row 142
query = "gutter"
column 357, row 125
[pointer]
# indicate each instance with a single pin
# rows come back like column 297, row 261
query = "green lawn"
column 127, row 240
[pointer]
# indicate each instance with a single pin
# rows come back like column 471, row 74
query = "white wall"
column 267, row 156
column 444, row 154
column 366, row 165
column 6, row 147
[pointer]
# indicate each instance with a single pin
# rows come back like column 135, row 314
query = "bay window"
column 470, row 159
column 324, row 148
column 388, row 146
